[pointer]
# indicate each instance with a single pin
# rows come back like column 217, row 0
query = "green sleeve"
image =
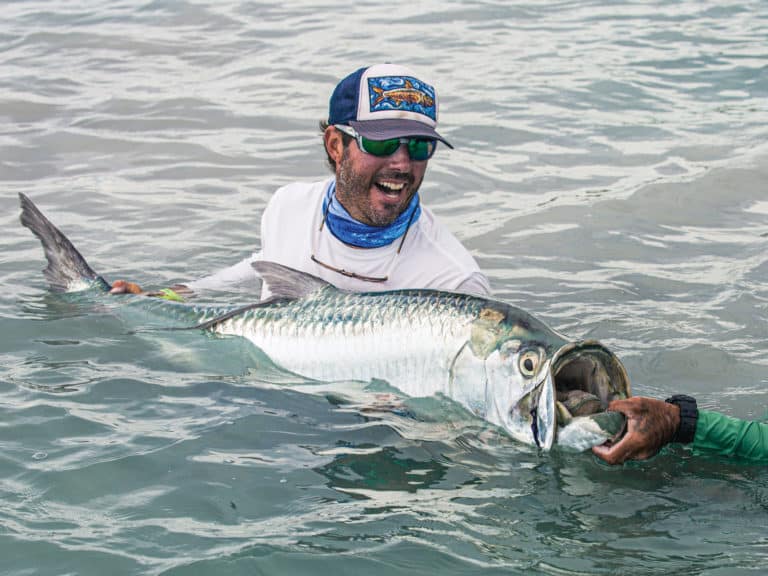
column 731, row 437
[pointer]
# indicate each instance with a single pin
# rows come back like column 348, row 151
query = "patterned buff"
column 360, row 235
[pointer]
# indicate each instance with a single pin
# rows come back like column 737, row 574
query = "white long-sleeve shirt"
column 431, row 256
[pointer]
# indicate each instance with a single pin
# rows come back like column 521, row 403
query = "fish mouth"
column 583, row 378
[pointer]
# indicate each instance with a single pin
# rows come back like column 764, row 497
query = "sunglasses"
column 419, row 149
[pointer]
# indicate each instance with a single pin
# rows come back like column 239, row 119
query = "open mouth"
column 390, row 187
column 569, row 404
column 587, row 378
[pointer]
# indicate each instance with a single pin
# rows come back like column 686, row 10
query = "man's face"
column 376, row 190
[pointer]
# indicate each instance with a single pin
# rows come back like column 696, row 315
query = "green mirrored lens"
column 418, row 149
column 380, row 147
column 421, row 149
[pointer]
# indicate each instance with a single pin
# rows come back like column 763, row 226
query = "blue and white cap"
column 386, row 101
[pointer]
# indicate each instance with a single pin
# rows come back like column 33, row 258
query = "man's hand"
column 177, row 292
column 125, row 287
column 650, row 425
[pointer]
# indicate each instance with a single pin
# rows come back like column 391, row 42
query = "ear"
column 334, row 144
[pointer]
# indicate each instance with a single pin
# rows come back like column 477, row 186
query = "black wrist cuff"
column 689, row 416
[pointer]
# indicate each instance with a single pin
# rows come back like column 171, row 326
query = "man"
column 651, row 424
column 364, row 228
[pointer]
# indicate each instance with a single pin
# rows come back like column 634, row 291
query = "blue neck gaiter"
column 360, row 235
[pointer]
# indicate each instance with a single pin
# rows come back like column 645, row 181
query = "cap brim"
column 395, row 128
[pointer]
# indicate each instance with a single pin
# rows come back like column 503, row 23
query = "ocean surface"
column 610, row 175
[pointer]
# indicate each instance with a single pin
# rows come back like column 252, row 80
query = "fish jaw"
column 545, row 415
column 583, row 432
column 587, row 368
column 532, row 417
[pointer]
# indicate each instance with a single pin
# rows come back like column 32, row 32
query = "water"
column 609, row 174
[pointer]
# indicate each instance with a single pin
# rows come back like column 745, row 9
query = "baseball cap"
column 386, row 101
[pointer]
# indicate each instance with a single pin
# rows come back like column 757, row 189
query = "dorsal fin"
column 285, row 282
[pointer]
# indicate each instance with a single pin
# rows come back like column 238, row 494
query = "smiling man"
column 364, row 229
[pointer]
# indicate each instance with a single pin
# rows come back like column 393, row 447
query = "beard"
column 354, row 191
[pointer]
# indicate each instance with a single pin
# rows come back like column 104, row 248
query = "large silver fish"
column 498, row 361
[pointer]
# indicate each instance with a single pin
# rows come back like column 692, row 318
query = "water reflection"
column 386, row 468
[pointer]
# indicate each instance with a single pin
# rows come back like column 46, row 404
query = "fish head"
column 538, row 381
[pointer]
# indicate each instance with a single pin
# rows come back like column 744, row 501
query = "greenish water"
column 609, row 174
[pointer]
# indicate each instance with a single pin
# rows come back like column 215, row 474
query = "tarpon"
column 407, row 94
column 498, row 361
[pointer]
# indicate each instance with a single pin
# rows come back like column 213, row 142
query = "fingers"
column 629, row 406
column 610, row 454
column 124, row 287
column 650, row 425
column 632, row 441
column 630, row 447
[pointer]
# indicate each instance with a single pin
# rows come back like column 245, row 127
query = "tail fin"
column 67, row 270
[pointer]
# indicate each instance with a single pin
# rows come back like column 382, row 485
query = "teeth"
column 393, row 186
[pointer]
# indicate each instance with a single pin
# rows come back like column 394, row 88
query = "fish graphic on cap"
column 407, row 94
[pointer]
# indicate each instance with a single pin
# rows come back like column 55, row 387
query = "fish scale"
column 362, row 336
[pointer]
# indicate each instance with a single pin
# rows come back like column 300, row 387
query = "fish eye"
column 528, row 362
